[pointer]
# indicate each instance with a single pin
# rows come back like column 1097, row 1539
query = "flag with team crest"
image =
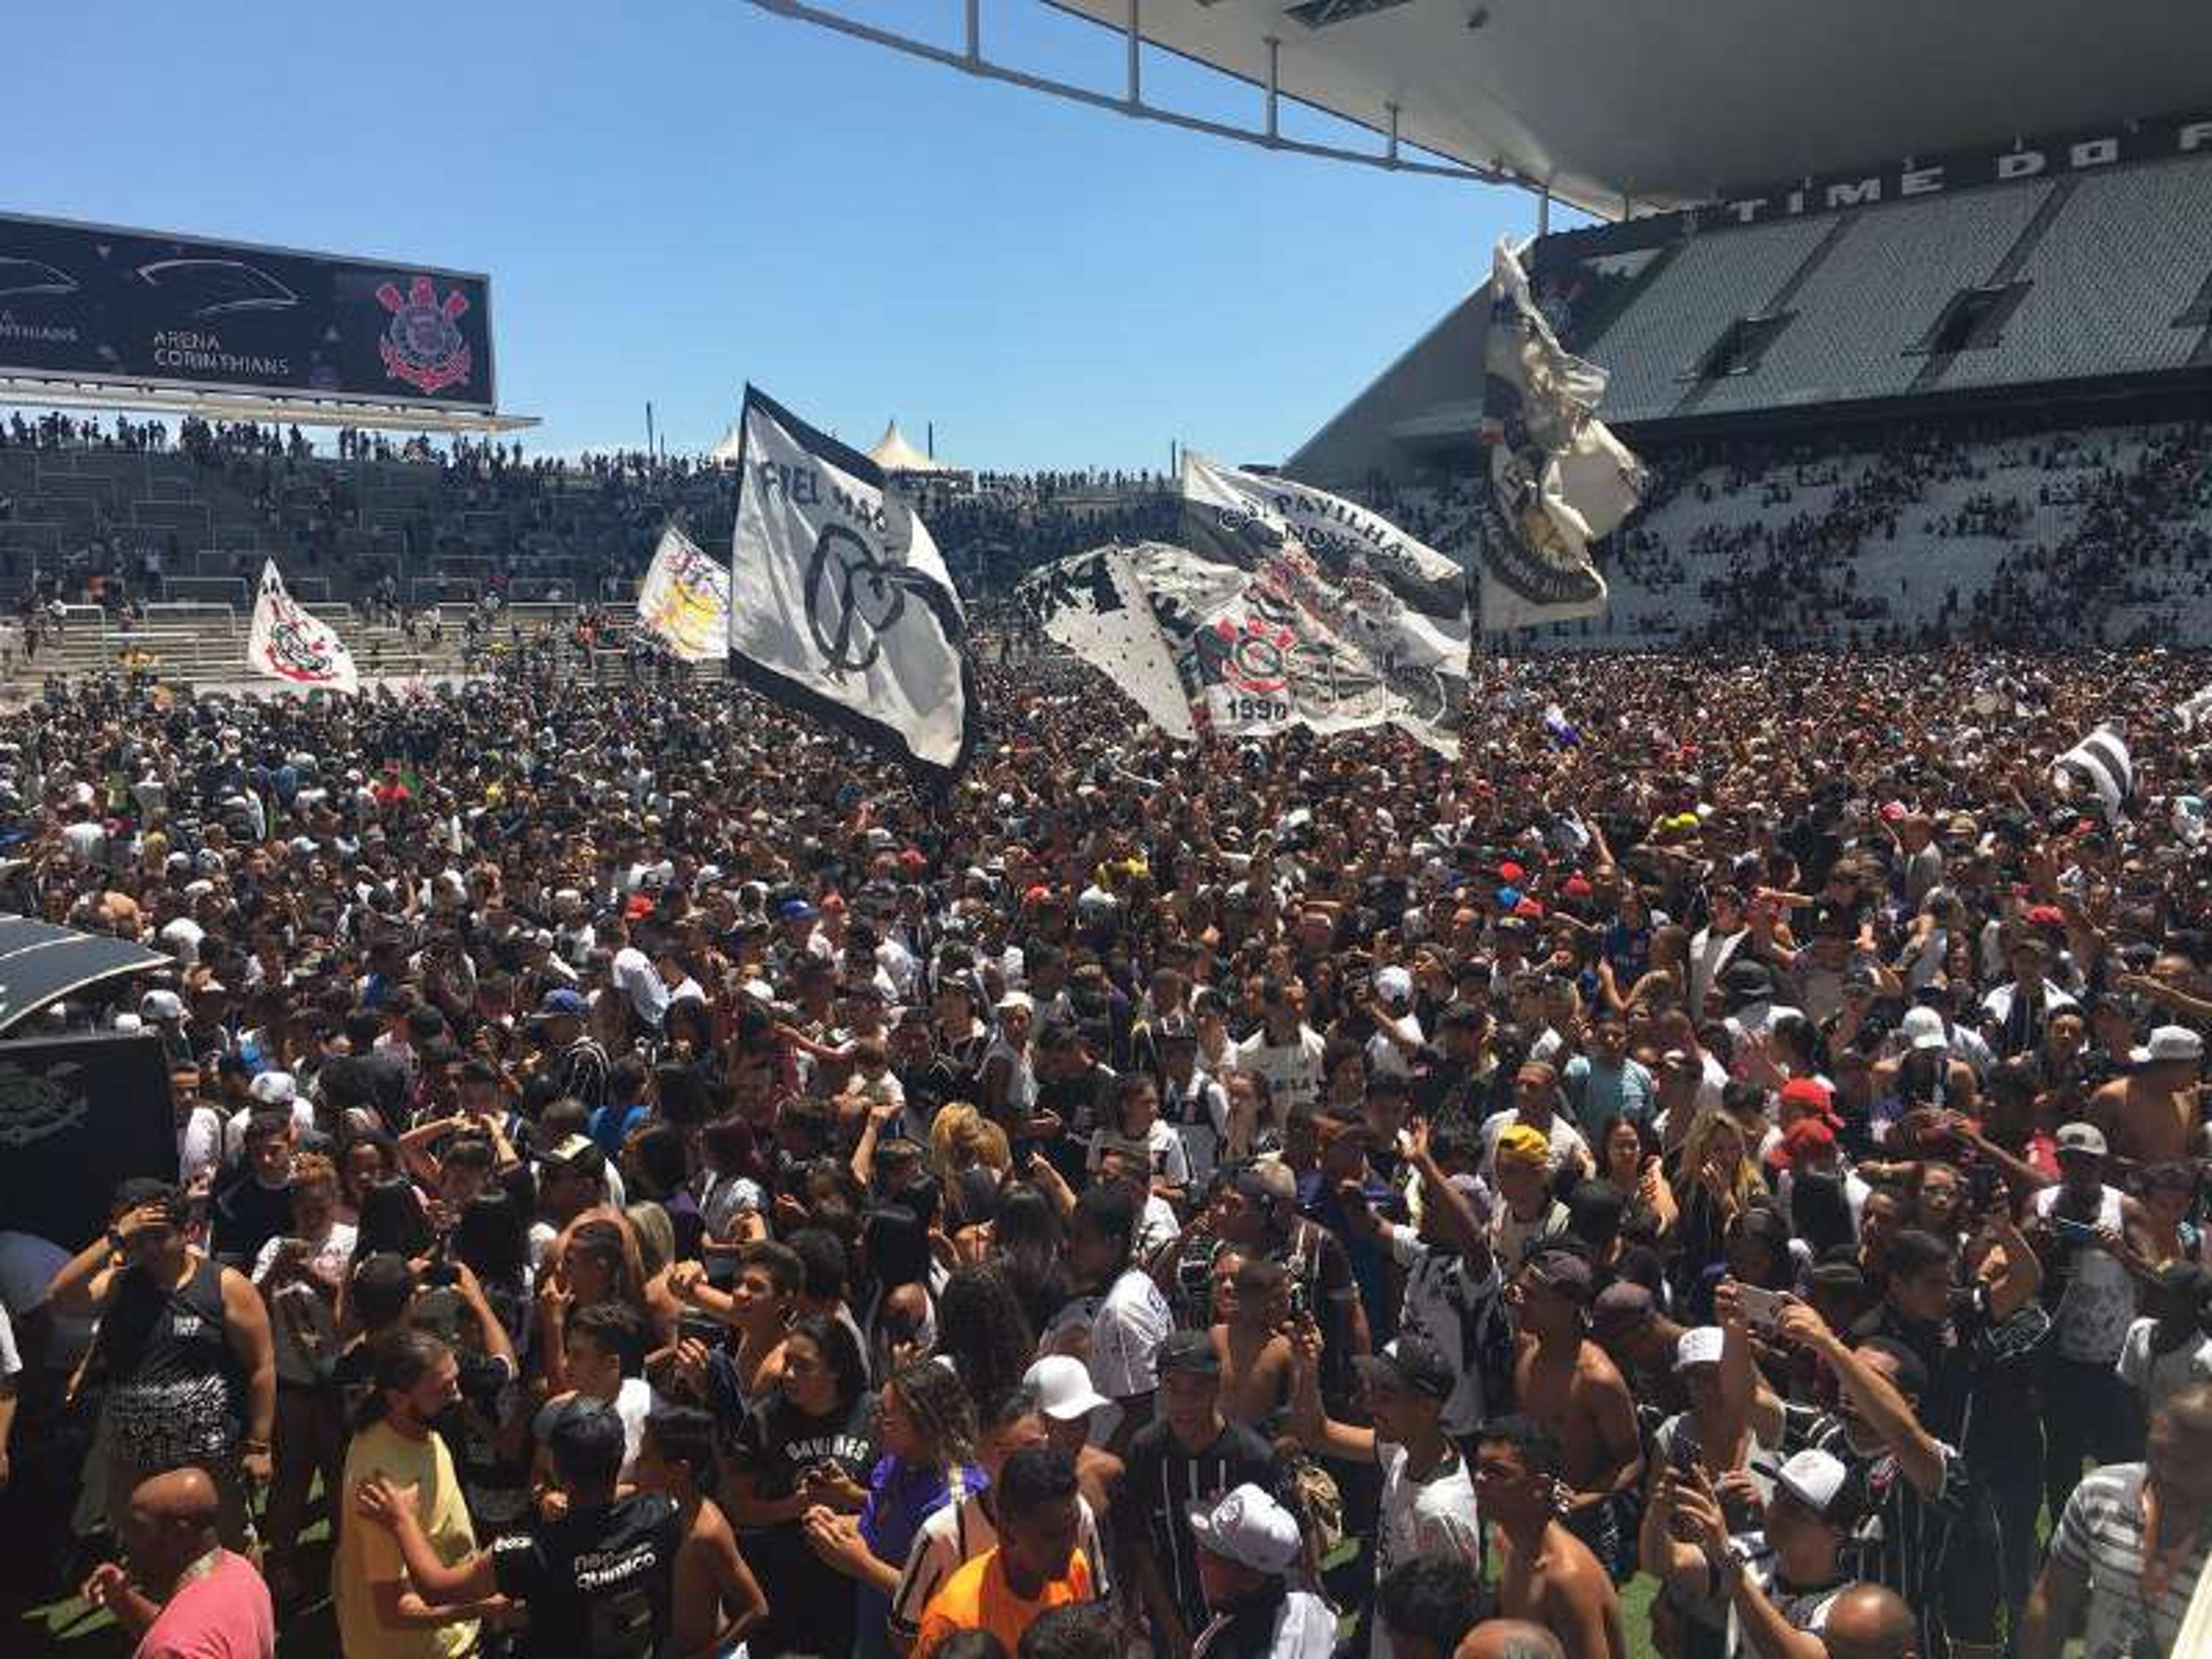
column 1558, row 479
column 1290, row 606
column 685, row 598
column 841, row 606
column 289, row 644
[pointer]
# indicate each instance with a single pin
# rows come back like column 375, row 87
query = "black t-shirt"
column 811, row 1607
column 598, row 1582
column 245, row 1215
column 1164, row 1480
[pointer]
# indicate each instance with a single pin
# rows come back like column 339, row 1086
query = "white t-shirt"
column 1441, row 1296
column 1292, row 1069
column 1125, row 1336
column 2156, row 1377
column 1432, row 1518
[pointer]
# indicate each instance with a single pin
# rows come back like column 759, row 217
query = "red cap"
column 912, row 858
column 1511, row 873
column 1528, row 908
column 1577, row 886
column 1039, row 894
column 638, row 904
column 1814, row 1096
column 1891, row 810
column 2046, row 915
column 1807, row 1135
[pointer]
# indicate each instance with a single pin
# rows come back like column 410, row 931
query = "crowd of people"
column 649, row 1180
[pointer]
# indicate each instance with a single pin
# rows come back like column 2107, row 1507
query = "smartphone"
column 1761, row 1308
column 699, row 1327
column 1683, row 1450
column 2081, row 1232
column 1301, row 1303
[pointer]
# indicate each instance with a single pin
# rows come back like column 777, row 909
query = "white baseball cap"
column 1248, row 1527
column 1819, row 1481
column 1393, row 984
column 1698, row 1346
column 1064, row 1388
column 161, row 1005
column 1922, row 1028
column 273, row 1089
column 2174, row 1042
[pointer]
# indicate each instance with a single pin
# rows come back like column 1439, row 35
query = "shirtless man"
column 1255, row 1354
column 2151, row 1115
column 1546, row 1575
column 1566, row 1382
column 759, row 1305
column 718, row 1600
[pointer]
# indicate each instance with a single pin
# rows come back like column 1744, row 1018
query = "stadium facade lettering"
column 2168, row 138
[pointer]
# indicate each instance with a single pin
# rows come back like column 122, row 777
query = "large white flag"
column 1558, row 479
column 1371, row 624
column 840, row 603
column 288, row 644
column 1262, row 651
column 1095, row 606
column 685, row 598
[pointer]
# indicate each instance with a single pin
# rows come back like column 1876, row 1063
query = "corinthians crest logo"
column 423, row 346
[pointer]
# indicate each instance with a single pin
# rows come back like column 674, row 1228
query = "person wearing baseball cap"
column 1784, row 1577
column 2083, row 1225
column 578, row 1062
column 1247, row 1543
column 1520, row 1168
column 1189, row 1446
column 2150, row 1112
column 1427, row 1506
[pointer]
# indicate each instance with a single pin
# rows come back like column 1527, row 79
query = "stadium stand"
column 1860, row 313
column 2132, row 250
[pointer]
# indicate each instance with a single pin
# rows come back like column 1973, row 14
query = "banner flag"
column 1095, row 606
column 840, row 603
column 685, row 598
column 288, row 644
column 1258, row 654
column 1312, row 602
column 2099, row 765
column 1558, row 479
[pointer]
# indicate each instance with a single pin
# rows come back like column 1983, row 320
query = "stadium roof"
column 1673, row 103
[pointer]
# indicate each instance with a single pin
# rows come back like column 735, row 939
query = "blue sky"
column 673, row 198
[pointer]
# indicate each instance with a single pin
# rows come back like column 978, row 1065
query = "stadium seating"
column 1653, row 348
column 2103, row 275
column 2110, row 279
column 1874, row 296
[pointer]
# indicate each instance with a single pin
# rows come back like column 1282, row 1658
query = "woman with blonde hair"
column 962, row 1139
column 1715, row 1178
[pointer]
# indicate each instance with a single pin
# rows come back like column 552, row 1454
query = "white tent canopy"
column 894, row 453
column 730, row 443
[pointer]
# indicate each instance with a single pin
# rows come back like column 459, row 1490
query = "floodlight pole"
column 975, row 30
column 1393, row 108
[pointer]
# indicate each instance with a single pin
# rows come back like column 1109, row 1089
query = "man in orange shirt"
column 1036, row 1566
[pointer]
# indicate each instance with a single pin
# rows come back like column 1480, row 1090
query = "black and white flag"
column 1094, row 604
column 840, row 603
column 1558, row 479
column 1290, row 606
column 2098, row 766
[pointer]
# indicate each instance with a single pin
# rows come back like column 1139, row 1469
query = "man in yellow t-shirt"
column 1036, row 1566
column 380, row 1615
